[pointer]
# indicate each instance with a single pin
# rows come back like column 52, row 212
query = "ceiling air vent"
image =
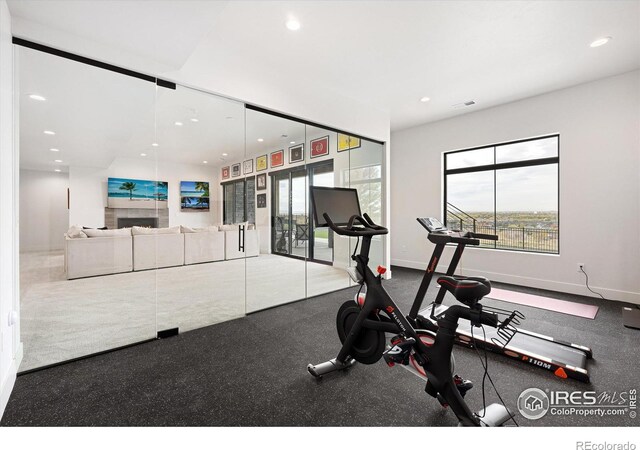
column 464, row 104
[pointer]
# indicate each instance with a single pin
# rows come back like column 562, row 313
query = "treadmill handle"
column 489, row 237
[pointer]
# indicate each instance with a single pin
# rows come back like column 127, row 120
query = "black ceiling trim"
column 91, row 62
column 306, row 122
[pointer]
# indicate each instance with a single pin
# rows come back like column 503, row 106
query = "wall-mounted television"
column 131, row 193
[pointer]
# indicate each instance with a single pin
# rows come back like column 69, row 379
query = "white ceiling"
column 386, row 54
column 98, row 116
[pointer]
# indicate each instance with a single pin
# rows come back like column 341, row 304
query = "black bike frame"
column 435, row 359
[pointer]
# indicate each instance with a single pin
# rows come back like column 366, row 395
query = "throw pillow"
column 75, row 232
column 143, row 230
column 108, row 233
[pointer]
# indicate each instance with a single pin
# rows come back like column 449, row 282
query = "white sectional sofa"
column 97, row 256
column 203, row 246
column 155, row 248
column 102, row 252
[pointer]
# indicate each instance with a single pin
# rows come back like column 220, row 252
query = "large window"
column 238, row 206
column 510, row 190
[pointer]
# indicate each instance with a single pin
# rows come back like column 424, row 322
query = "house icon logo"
column 533, row 403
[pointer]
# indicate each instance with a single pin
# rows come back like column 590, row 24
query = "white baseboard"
column 551, row 285
column 10, row 380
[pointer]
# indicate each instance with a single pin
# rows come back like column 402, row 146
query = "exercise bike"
column 362, row 324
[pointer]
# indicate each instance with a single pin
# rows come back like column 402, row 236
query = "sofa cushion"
column 75, row 232
column 108, row 233
column 186, row 229
column 145, row 230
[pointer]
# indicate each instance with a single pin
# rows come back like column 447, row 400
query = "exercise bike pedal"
column 399, row 353
column 462, row 385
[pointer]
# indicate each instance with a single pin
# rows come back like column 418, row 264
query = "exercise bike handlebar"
column 368, row 228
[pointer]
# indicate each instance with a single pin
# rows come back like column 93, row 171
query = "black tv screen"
column 339, row 203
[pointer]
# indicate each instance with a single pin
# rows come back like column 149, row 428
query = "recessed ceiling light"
column 143, row 154
column 601, row 41
column 425, row 99
column 54, row 150
column 205, row 162
column 155, row 144
column 292, row 142
column 178, row 124
column 49, row 132
column 229, row 117
column 293, row 24
column 225, row 154
column 193, row 119
column 40, row 98
column 57, row 160
column 260, row 140
column 57, row 170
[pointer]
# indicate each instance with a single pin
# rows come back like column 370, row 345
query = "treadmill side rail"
column 567, row 361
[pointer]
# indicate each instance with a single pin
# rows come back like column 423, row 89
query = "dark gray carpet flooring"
column 252, row 372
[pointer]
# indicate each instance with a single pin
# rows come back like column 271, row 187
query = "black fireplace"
column 150, row 222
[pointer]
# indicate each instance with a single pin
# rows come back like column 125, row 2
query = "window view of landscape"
column 518, row 204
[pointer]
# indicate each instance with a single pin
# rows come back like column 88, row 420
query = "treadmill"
column 564, row 359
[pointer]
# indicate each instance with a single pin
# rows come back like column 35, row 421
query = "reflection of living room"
column 137, row 200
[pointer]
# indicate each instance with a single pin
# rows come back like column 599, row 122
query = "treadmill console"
column 432, row 224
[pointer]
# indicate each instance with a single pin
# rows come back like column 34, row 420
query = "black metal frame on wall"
column 495, row 167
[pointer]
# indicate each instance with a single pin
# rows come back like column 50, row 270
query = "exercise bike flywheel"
column 370, row 344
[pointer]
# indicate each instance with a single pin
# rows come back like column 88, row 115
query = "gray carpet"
column 252, row 372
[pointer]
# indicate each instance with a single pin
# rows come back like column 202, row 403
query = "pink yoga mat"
column 551, row 304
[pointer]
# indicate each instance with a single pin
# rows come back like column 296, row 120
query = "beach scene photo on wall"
column 194, row 196
column 131, row 193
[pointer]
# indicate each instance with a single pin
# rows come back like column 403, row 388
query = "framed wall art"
column 261, row 163
column 277, row 158
column 247, row 166
column 235, row 170
column 261, row 182
column 194, row 196
column 320, row 147
column 262, row 200
column 296, row 153
column 346, row 142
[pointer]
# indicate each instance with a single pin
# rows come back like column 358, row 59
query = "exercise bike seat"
column 466, row 290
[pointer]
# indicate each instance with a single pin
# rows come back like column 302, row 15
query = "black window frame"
column 495, row 167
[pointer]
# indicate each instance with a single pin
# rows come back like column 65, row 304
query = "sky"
column 532, row 188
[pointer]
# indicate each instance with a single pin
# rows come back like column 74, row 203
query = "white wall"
column 10, row 347
column 88, row 189
column 44, row 217
column 599, row 131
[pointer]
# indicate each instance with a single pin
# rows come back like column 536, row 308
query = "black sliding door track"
column 92, row 62
column 307, row 122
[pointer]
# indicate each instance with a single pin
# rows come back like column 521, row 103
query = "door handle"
column 241, row 238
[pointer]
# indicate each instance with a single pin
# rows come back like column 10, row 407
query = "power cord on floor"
column 587, row 283
column 485, row 366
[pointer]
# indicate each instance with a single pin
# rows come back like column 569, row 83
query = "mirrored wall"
column 149, row 209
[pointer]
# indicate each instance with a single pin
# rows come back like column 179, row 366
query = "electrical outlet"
column 580, row 267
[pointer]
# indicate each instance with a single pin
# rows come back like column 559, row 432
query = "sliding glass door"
column 293, row 233
column 277, row 148
column 153, row 209
column 290, row 235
